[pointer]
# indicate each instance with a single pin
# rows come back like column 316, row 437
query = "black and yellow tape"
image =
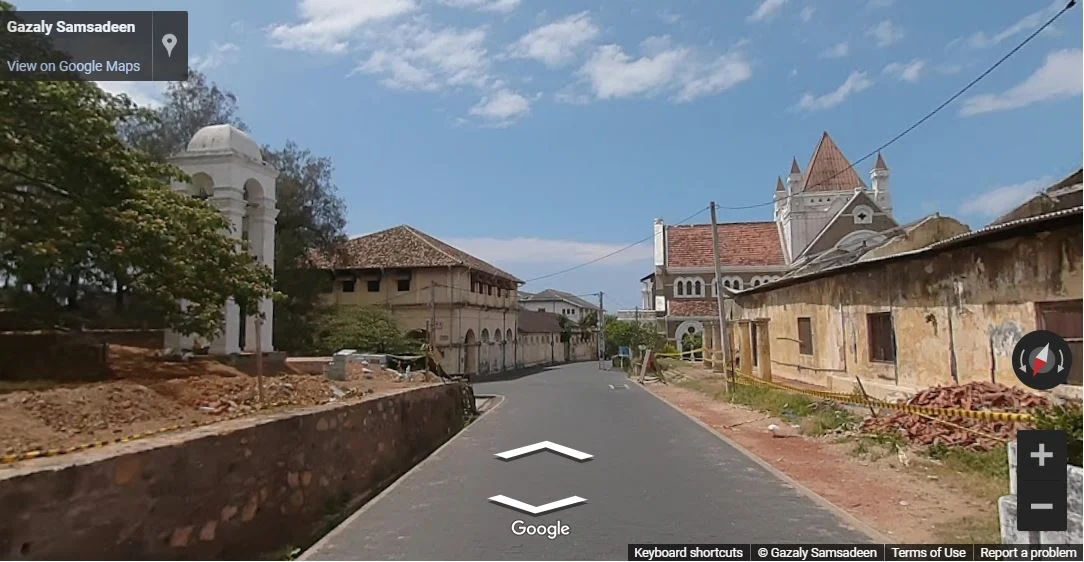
column 853, row 398
column 13, row 457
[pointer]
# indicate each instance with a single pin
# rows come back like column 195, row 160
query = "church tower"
column 818, row 195
column 879, row 178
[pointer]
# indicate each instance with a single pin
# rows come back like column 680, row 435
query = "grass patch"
column 970, row 530
column 813, row 417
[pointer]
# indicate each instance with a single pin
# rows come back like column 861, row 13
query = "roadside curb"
column 324, row 540
column 841, row 513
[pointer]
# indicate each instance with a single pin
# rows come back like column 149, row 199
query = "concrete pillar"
column 709, row 344
column 745, row 343
column 764, row 349
column 230, row 202
column 262, row 246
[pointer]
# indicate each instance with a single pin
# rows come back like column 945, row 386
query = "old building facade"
column 935, row 305
column 466, row 307
column 824, row 208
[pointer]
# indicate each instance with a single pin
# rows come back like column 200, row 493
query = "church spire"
column 880, row 165
column 794, row 169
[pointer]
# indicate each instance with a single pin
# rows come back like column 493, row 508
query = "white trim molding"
column 690, row 288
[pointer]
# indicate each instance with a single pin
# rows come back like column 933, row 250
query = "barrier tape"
column 680, row 353
column 853, row 398
column 9, row 458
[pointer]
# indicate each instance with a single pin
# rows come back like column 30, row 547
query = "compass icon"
column 1042, row 360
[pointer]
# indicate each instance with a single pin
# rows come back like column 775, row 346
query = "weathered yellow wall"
column 987, row 293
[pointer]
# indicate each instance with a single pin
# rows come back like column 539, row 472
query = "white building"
column 558, row 302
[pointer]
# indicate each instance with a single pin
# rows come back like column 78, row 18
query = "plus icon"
column 1042, row 454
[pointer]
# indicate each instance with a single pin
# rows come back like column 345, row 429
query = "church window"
column 699, row 289
column 689, row 288
column 680, row 288
column 727, row 284
column 863, row 215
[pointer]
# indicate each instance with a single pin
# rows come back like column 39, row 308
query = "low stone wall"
column 241, row 489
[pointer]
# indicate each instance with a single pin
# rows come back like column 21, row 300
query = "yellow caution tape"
column 9, row 458
column 854, row 398
column 681, row 353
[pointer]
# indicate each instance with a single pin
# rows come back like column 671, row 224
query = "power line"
column 613, row 253
column 925, row 118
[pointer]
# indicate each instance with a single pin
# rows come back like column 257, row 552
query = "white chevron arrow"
column 559, row 449
column 536, row 510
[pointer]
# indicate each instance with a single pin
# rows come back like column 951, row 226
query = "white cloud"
column 854, row 83
column 417, row 57
column 1028, row 23
column 328, row 25
column 556, row 44
column 885, row 33
column 906, row 71
column 549, row 251
column 237, row 26
column 766, row 10
column 220, row 54
column 502, row 108
column 807, row 13
column 669, row 17
column 502, row 6
column 839, row 50
column 612, row 73
column 1059, row 77
column 999, row 200
column 145, row 94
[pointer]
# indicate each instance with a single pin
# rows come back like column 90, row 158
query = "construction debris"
column 958, row 431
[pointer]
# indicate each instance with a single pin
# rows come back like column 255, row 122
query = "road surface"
column 655, row 477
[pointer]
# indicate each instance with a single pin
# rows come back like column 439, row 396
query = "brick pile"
column 972, row 396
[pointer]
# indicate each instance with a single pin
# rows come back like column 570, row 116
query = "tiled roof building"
column 824, row 209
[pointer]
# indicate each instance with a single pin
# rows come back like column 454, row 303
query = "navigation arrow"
column 544, row 445
column 536, row 510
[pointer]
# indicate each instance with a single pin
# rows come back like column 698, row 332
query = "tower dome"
column 224, row 138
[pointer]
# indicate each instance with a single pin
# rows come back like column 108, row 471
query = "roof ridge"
column 425, row 238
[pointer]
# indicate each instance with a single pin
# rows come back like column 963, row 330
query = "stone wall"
column 241, row 489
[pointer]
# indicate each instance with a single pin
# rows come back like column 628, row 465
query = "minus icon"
column 1042, row 506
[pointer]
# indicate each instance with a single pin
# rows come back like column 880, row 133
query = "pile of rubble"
column 972, row 396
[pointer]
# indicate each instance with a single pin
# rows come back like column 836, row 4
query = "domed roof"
column 216, row 138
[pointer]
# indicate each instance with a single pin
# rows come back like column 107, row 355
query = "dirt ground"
column 909, row 498
column 148, row 393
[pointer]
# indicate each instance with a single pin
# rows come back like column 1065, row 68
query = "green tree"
column 79, row 208
column 619, row 333
column 187, row 107
column 364, row 328
column 311, row 217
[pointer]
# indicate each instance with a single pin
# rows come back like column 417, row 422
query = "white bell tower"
column 228, row 170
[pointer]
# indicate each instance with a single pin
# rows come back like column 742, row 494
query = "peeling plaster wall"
column 973, row 302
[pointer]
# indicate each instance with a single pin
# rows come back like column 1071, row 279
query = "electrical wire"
column 613, row 253
column 925, row 118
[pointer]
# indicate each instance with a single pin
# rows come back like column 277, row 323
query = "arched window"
column 699, row 289
column 485, row 335
column 680, row 288
column 727, row 284
column 756, row 282
column 689, row 288
column 737, row 284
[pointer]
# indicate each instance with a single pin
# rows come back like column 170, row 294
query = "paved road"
column 656, row 477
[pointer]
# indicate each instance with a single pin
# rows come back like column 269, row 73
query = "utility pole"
column 724, row 332
column 259, row 356
column 601, row 337
column 431, row 332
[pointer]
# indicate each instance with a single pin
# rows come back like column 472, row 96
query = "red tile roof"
column 829, row 169
column 403, row 247
column 680, row 307
column 740, row 243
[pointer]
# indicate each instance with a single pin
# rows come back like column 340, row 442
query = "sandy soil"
column 921, row 502
column 148, row 393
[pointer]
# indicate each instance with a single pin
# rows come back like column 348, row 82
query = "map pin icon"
column 169, row 40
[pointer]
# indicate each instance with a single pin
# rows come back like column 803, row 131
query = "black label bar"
column 887, row 552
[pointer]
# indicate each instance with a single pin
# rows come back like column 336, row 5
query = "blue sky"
column 541, row 134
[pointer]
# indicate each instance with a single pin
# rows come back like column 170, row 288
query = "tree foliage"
column 364, row 328
column 187, row 107
column 81, row 209
column 311, row 217
column 621, row 333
